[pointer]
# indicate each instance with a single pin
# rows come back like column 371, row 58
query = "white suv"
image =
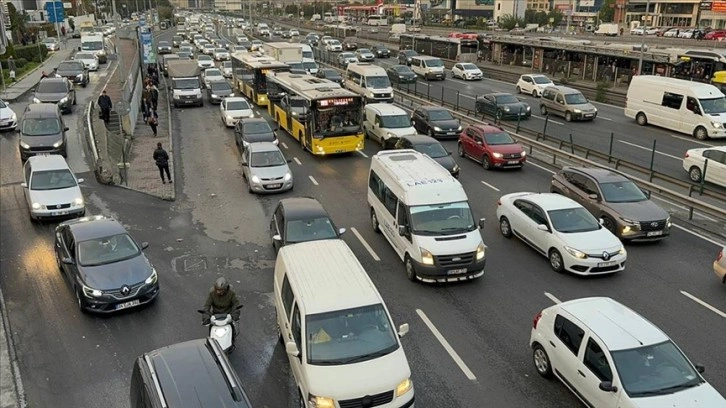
column 51, row 189
column 610, row 356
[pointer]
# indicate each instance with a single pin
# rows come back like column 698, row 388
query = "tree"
column 556, row 16
column 292, row 9
column 17, row 22
column 607, row 11
column 509, row 22
column 72, row 24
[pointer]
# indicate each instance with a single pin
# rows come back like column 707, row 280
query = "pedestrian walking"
column 105, row 104
column 153, row 120
column 161, row 157
column 11, row 68
column 63, row 31
column 154, row 95
column 43, row 75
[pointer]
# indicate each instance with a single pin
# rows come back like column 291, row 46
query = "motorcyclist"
column 222, row 299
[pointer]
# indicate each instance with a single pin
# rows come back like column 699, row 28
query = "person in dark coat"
column 153, row 121
column 222, row 299
column 161, row 157
column 105, row 104
column 154, row 95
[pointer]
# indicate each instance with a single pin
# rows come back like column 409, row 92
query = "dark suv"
column 405, row 56
column 75, row 72
column 42, row 131
column 436, row 122
column 58, row 91
column 191, row 374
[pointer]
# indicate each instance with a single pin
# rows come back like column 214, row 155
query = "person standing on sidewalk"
column 105, row 104
column 153, row 120
column 161, row 157
column 154, row 94
column 11, row 68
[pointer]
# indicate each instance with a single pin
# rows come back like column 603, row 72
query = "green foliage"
column 32, row 52
column 602, row 88
column 20, row 72
column 165, row 13
column 509, row 22
column 292, row 9
column 19, row 63
column 556, row 16
column 17, row 22
column 607, row 11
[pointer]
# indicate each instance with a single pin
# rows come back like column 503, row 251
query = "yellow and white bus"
column 249, row 74
column 318, row 113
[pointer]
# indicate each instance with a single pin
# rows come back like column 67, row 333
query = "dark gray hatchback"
column 75, row 72
column 56, row 90
column 42, row 131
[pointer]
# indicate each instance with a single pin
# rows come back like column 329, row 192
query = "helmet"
column 221, row 284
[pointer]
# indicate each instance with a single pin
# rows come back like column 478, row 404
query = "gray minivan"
column 42, row 131
column 566, row 102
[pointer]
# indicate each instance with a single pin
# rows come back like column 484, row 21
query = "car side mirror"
column 81, row 180
column 277, row 238
column 594, row 196
column 289, row 161
column 24, row 185
column 65, row 129
column 700, row 368
column 144, row 245
column 79, row 48
column 244, row 164
column 481, row 222
column 403, row 330
column 292, row 349
column 608, row 386
column 68, row 261
column 543, row 227
column 341, row 231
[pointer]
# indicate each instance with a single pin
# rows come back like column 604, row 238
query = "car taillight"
column 686, row 156
column 536, row 320
column 720, row 255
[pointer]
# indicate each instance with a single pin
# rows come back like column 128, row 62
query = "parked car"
column 75, row 72
column 218, row 90
column 401, row 74
column 364, row 55
column 233, row 109
column 330, row 74
column 623, row 208
column 502, row 106
column 56, row 90
column 435, row 121
column 301, row 219
column 533, row 84
column 466, row 71
column 491, row 146
column 430, row 147
column 563, row 231
column 695, row 164
column 51, row 43
column 51, row 189
column 715, row 35
column 8, row 117
column 253, row 130
column 265, row 168
column 405, row 56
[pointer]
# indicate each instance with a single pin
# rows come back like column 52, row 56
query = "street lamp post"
column 642, row 40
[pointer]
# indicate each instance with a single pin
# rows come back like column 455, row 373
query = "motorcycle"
column 221, row 328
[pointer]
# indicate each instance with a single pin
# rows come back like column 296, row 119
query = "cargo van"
column 424, row 213
column 370, row 81
column 428, row 67
column 338, row 334
column 678, row 105
column 386, row 123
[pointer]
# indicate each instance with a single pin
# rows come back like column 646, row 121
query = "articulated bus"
column 249, row 72
column 455, row 49
column 318, row 113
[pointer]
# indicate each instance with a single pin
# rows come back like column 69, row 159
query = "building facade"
column 509, row 7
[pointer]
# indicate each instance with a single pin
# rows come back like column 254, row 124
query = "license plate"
column 456, row 271
column 56, row 213
column 604, row 264
column 127, row 304
column 4, row 122
column 654, row 233
column 452, row 133
column 513, row 162
column 274, row 185
column 589, row 115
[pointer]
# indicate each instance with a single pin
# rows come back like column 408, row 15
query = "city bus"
column 248, row 74
column 377, row 20
column 455, row 49
column 323, row 117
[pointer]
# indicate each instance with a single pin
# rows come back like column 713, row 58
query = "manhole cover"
column 195, row 263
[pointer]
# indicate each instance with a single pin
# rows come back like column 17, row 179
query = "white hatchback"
column 563, row 231
column 466, row 71
column 695, row 164
column 51, row 189
column 233, row 109
column 533, row 84
column 611, row 357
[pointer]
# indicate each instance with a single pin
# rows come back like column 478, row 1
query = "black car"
column 502, row 106
column 401, row 74
column 56, row 90
column 301, row 219
column 381, row 51
column 330, row 74
column 253, row 130
column 286, row 34
column 436, row 122
column 404, row 56
column 430, row 147
column 104, row 265
column 218, row 90
column 350, row 44
column 312, row 39
column 176, row 40
column 74, row 71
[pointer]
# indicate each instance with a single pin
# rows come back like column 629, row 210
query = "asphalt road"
column 69, row 359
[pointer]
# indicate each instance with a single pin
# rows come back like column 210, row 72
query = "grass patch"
column 20, row 72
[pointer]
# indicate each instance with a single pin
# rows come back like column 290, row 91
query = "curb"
column 20, row 401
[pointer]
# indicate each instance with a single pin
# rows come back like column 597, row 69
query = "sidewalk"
column 11, row 387
column 29, row 80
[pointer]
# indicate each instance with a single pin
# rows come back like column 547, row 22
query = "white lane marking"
column 284, row 145
column 552, row 297
column 362, row 154
column 529, row 163
column 550, row 121
column 650, row 149
column 297, row 161
column 603, row 117
column 684, row 208
column 704, row 304
column 489, row 185
column 313, row 180
column 422, row 83
column 695, row 234
column 693, row 140
column 454, row 355
column 365, row 244
column 467, row 96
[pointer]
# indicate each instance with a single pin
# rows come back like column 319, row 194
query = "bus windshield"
column 715, row 105
column 337, row 117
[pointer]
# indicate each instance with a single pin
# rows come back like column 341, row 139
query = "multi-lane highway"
column 215, row 227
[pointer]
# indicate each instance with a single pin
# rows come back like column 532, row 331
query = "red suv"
column 715, row 35
column 491, row 146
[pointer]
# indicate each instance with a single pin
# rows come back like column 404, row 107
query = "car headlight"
column 456, row 168
column 404, row 387
column 577, row 111
column 228, row 118
column 459, row 128
column 622, row 251
column 255, row 179
column 13, row 117
column 36, row 206
column 288, row 176
column 524, row 153
column 481, row 251
column 436, row 128
column 78, row 202
column 152, row 278
column 36, row 100
column 90, row 292
column 507, row 109
column 576, row 252
column 79, row 76
column 64, row 100
column 529, row 108
column 215, row 96
column 24, row 145
column 595, row 109
column 58, row 144
column 716, row 125
column 427, row 258
column 668, row 222
column 320, row 402
column 497, row 155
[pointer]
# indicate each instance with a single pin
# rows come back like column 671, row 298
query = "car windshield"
column 91, row 45
column 410, row 53
column 433, row 150
column 442, row 219
column 163, row 44
column 310, row 65
column 84, row 56
column 349, row 336
column 331, row 74
column 364, row 51
column 227, row 64
column 575, row 99
column 296, row 66
column 395, row 121
column 541, row 80
column 52, row 180
column 51, row 87
column 347, row 55
column 49, row 40
column 41, row 126
column 70, row 66
column 334, row 42
column 212, row 73
column 378, row 82
column 622, row 192
column 220, row 86
column 267, row 159
column 498, row 138
column 204, row 57
column 572, row 220
column 440, row 114
column 256, row 127
column 185, row 83
column 715, row 105
column 3, row 104
column 434, row 63
column 309, row 230
column 220, row 50
column 103, row 251
column 402, row 69
column 656, row 369
column 469, row 67
column 507, row 99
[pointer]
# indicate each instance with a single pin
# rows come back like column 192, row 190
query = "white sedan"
column 466, row 71
column 212, row 75
column 563, row 231
column 220, row 54
column 8, row 117
column 208, row 49
column 695, row 164
column 533, row 84
column 89, row 60
column 334, row 46
column 226, row 68
column 205, row 61
column 233, row 109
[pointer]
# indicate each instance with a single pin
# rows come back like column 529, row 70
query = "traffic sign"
column 55, row 11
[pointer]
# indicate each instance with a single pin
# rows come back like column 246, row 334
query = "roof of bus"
column 282, row 45
column 257, row 60
column 301, row 82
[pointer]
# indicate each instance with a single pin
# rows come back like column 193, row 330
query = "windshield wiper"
column 364, row 357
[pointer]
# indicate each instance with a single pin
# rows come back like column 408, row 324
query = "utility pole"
column 642, row 40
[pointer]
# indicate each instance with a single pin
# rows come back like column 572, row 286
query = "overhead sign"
column 705, row 5
column 55, row 11
column 147, row 48
column 68, row 5
column 719, row 6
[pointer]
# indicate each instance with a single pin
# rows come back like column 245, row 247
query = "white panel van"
column 338, row 334
column 424, row 213
column 678, row 105
column 386, row 123
column 370, row 81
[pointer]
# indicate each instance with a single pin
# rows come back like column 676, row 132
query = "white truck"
column 186, row 87
column 96, row 45
column 608, row 29
column 283, row 52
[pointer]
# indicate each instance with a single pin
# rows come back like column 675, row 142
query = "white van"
column 307, row 52
column 370, row 81
column 675, row 104
column 386, row 123
column 428, row 67
column 338, row 334
column 424, row 213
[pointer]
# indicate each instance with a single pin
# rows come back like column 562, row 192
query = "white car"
column 637, row 31
column 233, row 109
column 8, row 117
column 212, row 75
column 221, row 54
column 241, row 38
column 294, row 33
column 612, row 357
column 89, row 60
column 208, row 49
column 533, row 84
column 466, row 71
column 364, row 55
column 200, row 45
column 226, row 68
column 563, row 231
column 326, row 39
column 345, row 58
column 51, row 189
column 256, row 45
column 719, row 265
column 694, row 164
column 334, row 46
column 205, row 61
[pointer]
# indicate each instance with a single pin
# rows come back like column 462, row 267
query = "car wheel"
column 505, row 228
column 700, row 133
column 486, row 163
column 534, row 93
column 556, row 262
column 694, row 173
column 460, row 150
column 498, row 115
column 79, row 302
column 641, row 119
column 58, row 261
column 410, row 270
column 568, row 116
column 301, row 403
column 519, row 90
column 609, row 224
column 543, row 109
column 541, row 361
column 374, row 221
